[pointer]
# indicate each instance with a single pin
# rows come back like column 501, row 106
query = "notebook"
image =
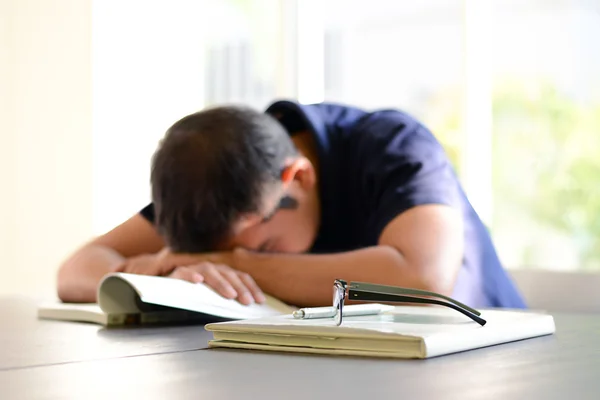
column 128, row 299
column 403, row 332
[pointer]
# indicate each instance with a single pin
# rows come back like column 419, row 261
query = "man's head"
column 231, row 176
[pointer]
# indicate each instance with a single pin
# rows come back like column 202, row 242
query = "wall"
column 559, row 291
column 46, row 136
column 87, row 88
column 147, row 73
column 7, row 163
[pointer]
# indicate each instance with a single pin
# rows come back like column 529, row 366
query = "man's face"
column 289, row 224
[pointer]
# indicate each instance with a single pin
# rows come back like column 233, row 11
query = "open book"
column 128, row 299
column 404, row 332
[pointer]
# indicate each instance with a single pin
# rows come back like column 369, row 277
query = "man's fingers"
column 187, row 274
column 228, row 282
column 248, row 281
column 214, row 279
column 244, row 295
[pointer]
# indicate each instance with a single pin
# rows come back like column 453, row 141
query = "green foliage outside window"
column 547, row 161
column 546, row 158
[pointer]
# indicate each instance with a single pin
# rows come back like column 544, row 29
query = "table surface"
column 26, row 341
column 42, row 359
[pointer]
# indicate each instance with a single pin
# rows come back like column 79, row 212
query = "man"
column 286, row 201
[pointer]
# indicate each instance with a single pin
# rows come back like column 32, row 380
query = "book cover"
column 404, row 332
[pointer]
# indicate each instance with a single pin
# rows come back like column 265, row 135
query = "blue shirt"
column 376, row 165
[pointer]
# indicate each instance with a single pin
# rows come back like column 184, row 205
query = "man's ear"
column 300, row 169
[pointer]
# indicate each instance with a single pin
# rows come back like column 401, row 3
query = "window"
column 512, row 90
column 546, row 133
column 249, row 51
column 510, row 87
column 406, row 55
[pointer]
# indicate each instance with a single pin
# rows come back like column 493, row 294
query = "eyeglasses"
column 286, row 203
column 383, row 293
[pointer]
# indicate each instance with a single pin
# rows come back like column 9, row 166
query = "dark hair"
column 211, row 167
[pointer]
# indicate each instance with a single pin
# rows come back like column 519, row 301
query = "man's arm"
column 79, row 275
column 421, row 248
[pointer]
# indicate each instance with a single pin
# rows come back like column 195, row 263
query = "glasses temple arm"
column 379, row 297
column 393, row 290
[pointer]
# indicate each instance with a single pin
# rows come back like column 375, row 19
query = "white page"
column 198, row 297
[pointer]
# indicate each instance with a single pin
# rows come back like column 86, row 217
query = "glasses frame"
column 371, row 292
column 339, row 296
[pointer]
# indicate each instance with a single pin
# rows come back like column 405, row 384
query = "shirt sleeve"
column 402, row 166
column 148, row 213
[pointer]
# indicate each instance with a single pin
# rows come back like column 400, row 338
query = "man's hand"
column 228, row 282
column 213, row 269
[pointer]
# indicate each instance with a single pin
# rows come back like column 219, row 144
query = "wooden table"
column 64, row 360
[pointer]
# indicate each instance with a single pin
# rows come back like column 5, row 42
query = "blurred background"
column 510, row 87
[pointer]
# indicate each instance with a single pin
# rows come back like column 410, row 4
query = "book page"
column 72, row 312
column 401, row 353
column 184, row 295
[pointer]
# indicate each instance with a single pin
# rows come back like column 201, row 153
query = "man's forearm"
column 307, row 280
column 79, row 276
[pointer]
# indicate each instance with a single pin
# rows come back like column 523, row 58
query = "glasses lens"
column 339, row 294
column 336, row 295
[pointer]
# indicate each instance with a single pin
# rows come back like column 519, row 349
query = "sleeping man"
column 287, row 200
